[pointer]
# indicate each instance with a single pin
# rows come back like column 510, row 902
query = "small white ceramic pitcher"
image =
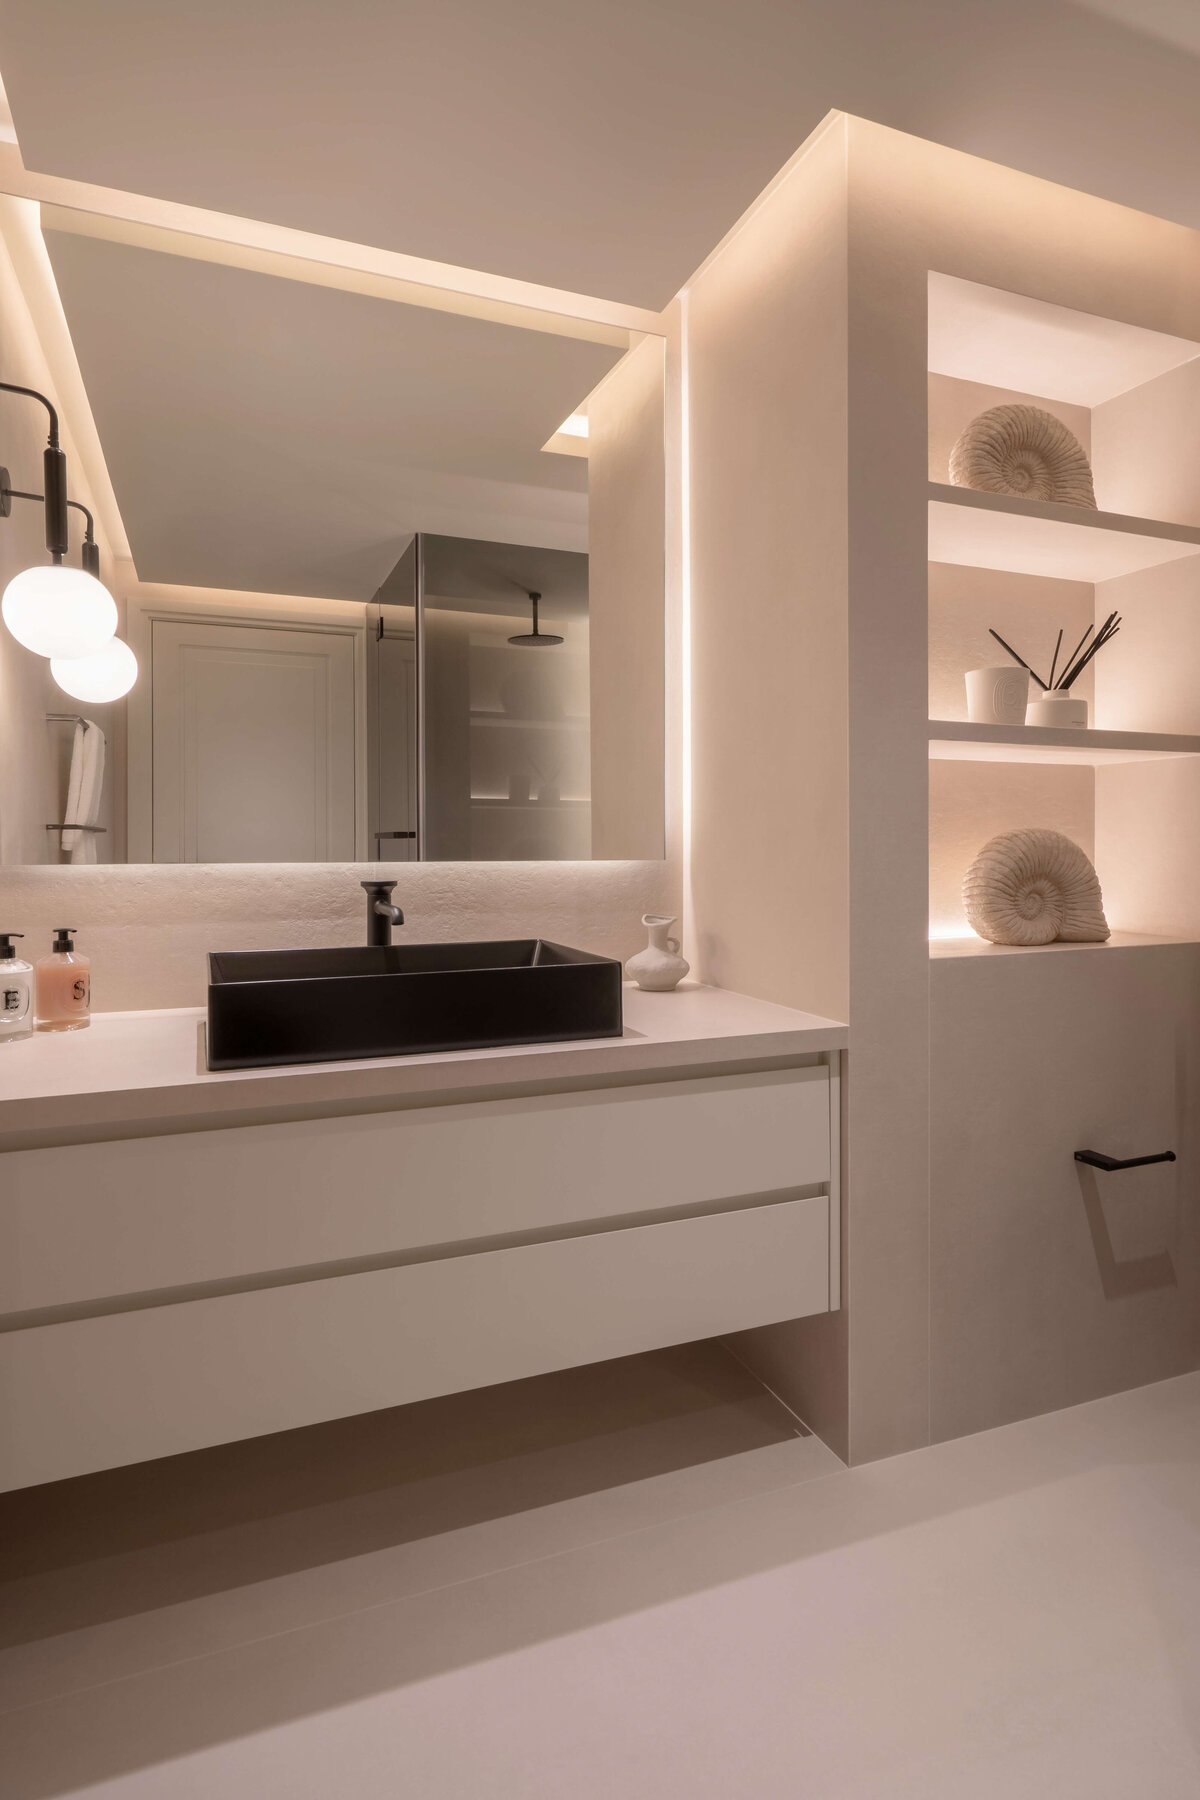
column 659, row 967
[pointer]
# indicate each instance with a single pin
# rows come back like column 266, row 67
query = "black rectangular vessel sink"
column 295, row 1006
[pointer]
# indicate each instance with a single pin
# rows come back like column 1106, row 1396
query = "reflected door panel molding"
column 254, row 749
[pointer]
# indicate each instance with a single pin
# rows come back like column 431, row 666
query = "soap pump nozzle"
column 64, row 940
column 7, row 953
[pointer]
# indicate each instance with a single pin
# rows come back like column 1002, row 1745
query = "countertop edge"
column 134, row 1110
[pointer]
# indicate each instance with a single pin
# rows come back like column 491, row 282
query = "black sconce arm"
column 54, row 462
column 10, row 387
column 91, row 550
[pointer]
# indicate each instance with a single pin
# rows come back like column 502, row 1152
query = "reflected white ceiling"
column 601, row 146
column 269, row 435
column 1174, row 21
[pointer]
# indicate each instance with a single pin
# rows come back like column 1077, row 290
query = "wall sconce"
column 107, row 673
column 65, row 614
column 55, row 611
column 89, row 550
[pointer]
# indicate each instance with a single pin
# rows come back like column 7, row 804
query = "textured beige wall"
column 1146, row 447
column 766, row 367
column 887, row 1152
column 1148, row 814
column 626, row 549
column 147, row 928
column 766, row 325
column 1148, row 846
column 1146, row 677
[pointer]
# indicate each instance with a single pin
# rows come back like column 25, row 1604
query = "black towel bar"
column 1098, row 1160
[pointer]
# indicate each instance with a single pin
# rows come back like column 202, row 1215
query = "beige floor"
column 633, row 1582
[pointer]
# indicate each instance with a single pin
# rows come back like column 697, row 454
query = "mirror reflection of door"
column 253, row 744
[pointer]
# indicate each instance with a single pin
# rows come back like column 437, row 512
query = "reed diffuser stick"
column 1104, row 636
column 1076, row 667
column 1054, row 660
column 1079, row 646
column 1019, row 659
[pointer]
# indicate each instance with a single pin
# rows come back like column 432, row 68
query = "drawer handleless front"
column 85, row 1225
column 98, row 1392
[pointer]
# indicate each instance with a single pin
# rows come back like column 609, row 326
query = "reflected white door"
column 253, row 743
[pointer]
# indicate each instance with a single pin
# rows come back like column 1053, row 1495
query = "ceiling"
column 601, row 146
column 1174, row 21
column 263, row 434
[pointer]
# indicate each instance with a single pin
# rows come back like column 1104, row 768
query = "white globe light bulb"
column 105, row 675
column 56, row 611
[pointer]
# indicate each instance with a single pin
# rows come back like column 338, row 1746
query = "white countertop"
column 145, row 1070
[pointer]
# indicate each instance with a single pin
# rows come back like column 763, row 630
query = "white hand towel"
column 85, row 787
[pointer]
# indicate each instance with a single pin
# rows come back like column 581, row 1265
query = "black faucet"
column 381, row 914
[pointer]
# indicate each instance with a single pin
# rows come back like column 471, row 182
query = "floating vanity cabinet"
column 164, row 1292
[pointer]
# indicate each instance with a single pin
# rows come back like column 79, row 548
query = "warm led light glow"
column 575, row 426
column 939, row 934
column 105, row 675
column 56, row 611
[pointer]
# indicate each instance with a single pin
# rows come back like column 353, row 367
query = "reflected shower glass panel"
column 507, row 756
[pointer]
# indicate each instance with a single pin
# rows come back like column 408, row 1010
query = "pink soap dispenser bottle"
column 64, row 985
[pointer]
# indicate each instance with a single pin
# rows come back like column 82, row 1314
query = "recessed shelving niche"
column 1132, row 397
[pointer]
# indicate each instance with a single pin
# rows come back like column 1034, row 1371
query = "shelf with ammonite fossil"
column 1041, row 537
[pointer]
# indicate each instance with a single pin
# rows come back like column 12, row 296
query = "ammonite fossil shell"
column 1034, row 887
column 1024, row 451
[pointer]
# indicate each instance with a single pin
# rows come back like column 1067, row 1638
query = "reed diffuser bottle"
column 64, row 985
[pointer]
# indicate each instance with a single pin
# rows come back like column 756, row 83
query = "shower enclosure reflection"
column 506, row 748
column 478, row 733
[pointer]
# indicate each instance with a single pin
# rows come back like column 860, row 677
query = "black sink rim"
column 570, row 958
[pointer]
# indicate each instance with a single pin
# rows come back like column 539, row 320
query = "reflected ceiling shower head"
column 535, row 638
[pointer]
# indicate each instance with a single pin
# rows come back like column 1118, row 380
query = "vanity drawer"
column 99, row 1221
column 98, row 1392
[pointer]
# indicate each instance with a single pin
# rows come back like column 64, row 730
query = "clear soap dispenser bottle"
column 16, row 991
column 64, row 987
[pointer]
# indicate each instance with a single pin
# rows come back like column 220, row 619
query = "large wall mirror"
column 396, row 588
